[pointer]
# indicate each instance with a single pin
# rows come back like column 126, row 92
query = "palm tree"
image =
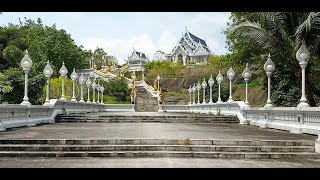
column 283, row 33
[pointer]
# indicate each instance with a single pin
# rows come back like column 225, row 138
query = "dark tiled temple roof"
column 196, row 39
column 140, row 54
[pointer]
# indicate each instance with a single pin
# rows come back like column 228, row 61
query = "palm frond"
column 310, row 25
column 254, row 31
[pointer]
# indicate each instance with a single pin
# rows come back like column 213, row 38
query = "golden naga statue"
column 133, row 93
column 95, row 66
column 160, row 96
column 155, row 84
column 121, row 72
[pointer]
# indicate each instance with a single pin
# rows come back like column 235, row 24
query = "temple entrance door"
column 180, row 60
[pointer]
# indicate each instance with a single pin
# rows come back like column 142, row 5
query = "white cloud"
column 121, row 48
column 167, row 41
column 149, row 32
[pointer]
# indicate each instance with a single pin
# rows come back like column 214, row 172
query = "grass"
column 252, row 85
column 176, row 94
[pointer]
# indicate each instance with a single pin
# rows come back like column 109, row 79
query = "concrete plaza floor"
column 150, row 130
column 156, row 163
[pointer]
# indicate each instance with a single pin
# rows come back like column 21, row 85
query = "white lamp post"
column 98, row 91
column 88, row 83
column 303, row 56
column 82, row 80
column 204, row 85
column 74, row 77
column 63, row 72
column 219, row 79
column 47, row 71
column 26, row 64
column 158, row 78
column 101, row 89
column 246, row 75
column 194, row 93
column 190, row 91
column 211, row 83
column 269, row 67
column 230, row 75
column 198, row 88
column 94, row 85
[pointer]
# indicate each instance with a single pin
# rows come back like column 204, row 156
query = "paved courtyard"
column 150, row 130
column 155, row 163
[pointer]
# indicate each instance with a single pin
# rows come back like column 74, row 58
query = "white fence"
column 16, row 115
column 293, row 119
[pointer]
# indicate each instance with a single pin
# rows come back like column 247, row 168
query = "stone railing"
column 293, row 119
column 16, row 115
column 147, row 87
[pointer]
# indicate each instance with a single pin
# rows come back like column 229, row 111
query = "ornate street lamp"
column 101, row 89
column 303, row 56
column 198, row 88
column 47, row 71
column 26, row 64
column 74, row 78
column 158, row 78
column 246, row 75
column 230, row 75
column 204, row 85
column 82, row 80
column 63, row 72
column 269, row 67
column 98, row 91
column 194, row 93
column 190, row 91
column 219, row 79
column 88, row 83
column 211, row 83
column 94, row 85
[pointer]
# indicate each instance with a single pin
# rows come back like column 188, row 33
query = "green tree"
column 281, row 34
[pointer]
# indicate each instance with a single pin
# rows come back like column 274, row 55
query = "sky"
column 119, row 32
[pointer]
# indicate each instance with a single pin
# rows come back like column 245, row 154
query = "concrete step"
column 194, row 148
column 148, row 121
column 128, row 154
column 217, row 142
column 164, row 119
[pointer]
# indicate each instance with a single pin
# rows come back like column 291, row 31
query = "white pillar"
column 190, row 98
column 73, row 93
column 88, row 100
column 47, row 93
column 81, row 94
column 101, row 100
column 25, row 98
column 303, row 100
column 198, row 96
column 98, row 96
column 93, row 98
column 63, row 97
column 194, row 96
column 246, row 102
column 219, row 97
column 210, row 102
column 269, row 102
column 230, row 92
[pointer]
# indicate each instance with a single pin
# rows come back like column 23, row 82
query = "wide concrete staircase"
column 146, row 118
column 197, row 148
column 144, row 101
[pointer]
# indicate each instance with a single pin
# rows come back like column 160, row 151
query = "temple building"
column 159, row 56
column 190, row 48
column 136, row 61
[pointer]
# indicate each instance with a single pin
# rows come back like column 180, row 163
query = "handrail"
column 293, row 119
